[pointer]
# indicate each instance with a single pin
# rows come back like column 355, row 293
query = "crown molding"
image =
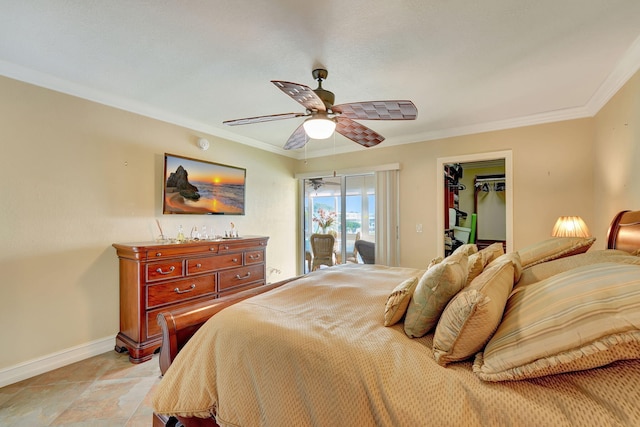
column 624, row 70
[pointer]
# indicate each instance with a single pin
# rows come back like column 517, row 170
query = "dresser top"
column 139, row 250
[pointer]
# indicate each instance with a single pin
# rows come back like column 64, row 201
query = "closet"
column 489, row 205
column 474, row 205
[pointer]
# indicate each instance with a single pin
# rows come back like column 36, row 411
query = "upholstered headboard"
column 624, row 231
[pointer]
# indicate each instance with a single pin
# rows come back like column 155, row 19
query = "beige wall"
column 77, row 176
column 588, row 167
column 617, row 154
column 546, row 184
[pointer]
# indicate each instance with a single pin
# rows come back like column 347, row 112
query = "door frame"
column 507, row 155
column 301, row 176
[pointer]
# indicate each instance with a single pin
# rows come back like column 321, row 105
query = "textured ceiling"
column 468, row 66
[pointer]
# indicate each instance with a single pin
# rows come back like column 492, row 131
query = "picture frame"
column 193, row 186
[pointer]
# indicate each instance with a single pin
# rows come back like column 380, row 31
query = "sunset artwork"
column 194, row 186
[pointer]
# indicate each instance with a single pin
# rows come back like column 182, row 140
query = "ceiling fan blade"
column 260, row 119
column 378, row 110
column 357, row 132
column 301, row 93
column 297, row 139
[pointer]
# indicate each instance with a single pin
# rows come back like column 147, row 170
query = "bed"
column 546, row 335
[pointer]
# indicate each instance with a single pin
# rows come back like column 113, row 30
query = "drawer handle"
column 178, row 291
column 212, row 249
column 158, row 253
column 198, row 265
column 226, row 248
column 246, row 276
column 235, row 260
column 171, row 270
column 254, row 256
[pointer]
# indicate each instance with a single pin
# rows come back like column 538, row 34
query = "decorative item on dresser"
column 160, row 277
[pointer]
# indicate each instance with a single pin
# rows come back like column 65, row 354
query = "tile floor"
column 105, row 390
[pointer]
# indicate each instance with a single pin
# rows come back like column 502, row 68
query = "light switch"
column 418, row 228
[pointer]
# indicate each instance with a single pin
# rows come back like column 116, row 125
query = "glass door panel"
column 342, row 206
column 360, row 211
column 322, row 213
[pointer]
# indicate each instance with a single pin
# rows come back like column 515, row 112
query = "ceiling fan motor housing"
column 326, row 96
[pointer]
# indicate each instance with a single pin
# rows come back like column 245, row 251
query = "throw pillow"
column 473, row 315
column 576, row 320
column 554, row 248
column 398, row 301
column 432, row 293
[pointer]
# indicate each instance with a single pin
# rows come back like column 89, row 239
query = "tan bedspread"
column 315, row 352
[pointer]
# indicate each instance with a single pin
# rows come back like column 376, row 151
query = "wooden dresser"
column 156, row 277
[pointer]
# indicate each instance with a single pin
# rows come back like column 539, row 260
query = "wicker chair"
column 322, row 248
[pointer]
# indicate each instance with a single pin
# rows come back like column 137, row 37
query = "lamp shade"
column 319, row 127
column 570, row 226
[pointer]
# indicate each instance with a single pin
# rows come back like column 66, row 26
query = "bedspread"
column 315, row 352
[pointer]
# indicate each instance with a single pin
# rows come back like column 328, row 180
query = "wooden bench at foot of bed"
column 179, row 325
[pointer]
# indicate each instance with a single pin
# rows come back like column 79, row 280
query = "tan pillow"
column 398, row 301
column 467, row 249
column 547, row 269
column 554, row 248
column 636, row 252
column 479, row 260
column 434, row 261
column 475, row 266
column 473, row 315
column 576, row 320
column 513, row 258
column 493, row 251
column 434, row 290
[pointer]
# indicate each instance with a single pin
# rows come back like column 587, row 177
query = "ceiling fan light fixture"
column 319, row 127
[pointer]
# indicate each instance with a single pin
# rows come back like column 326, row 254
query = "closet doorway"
column 475, row 201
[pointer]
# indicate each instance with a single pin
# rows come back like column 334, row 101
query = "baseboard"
column 31, row 368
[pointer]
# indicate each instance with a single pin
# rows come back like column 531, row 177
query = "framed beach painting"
column 193, row 186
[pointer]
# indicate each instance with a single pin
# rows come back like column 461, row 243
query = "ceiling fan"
column 323, row 117
column 319, row 182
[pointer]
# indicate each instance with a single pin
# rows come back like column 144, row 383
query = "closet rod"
column 489, row 179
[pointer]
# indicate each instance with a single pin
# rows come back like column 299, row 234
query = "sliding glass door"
column 342, row 206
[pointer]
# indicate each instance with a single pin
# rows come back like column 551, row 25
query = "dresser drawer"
column 179, row 290
column 181, row 250
column 240, row 276
column 236, row 245
column 218, row 262
column 163, row 270
column 253, row 257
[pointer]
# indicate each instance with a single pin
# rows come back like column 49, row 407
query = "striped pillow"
column 554, row 248
column 576, row 320
column 434, row 290
column 551, row 268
